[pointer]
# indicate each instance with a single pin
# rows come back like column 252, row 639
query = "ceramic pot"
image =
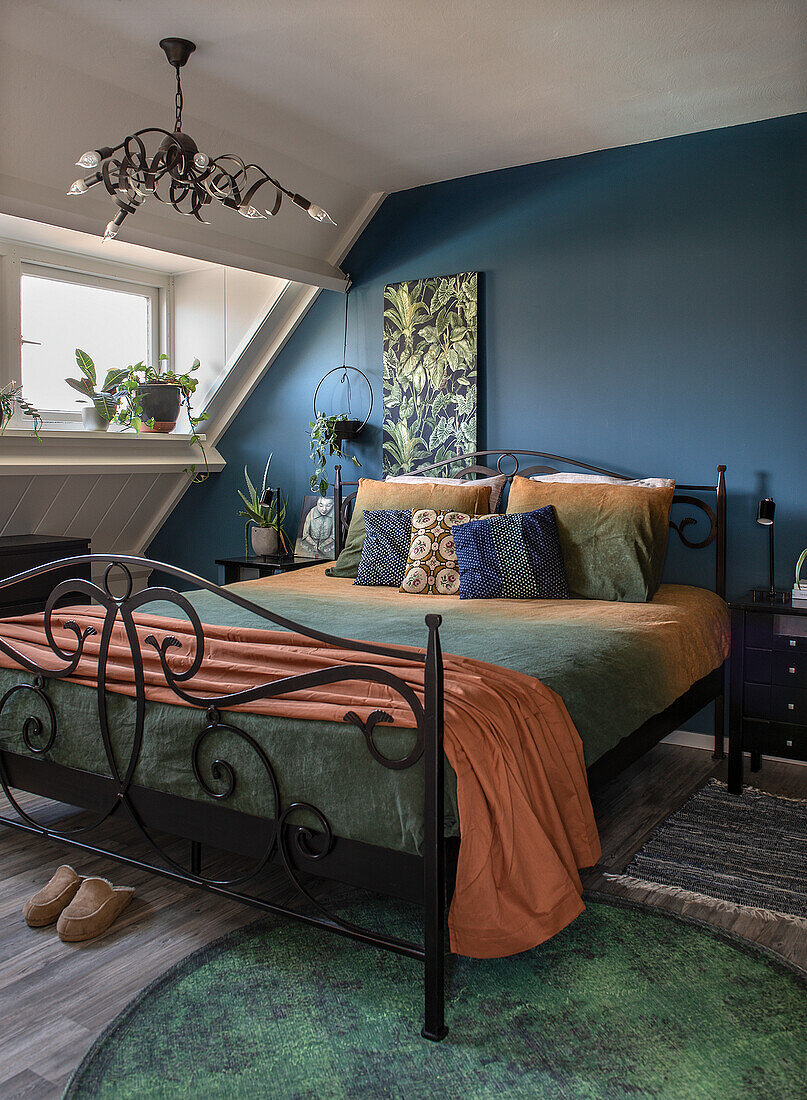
column 264, row 541
column 92, row 421
column 160, row 403
column 344, row 430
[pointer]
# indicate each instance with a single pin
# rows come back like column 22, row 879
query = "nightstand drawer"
column 789, row 705
column 789, row 632
column 758, row 665
column 774, row 739
column 790, row 669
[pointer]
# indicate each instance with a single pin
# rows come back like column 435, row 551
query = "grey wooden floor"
column 55, row 998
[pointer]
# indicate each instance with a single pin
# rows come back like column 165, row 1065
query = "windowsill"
column 70, row 434
column 84, row 452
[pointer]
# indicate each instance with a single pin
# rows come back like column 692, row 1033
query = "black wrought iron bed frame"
column 310, row 848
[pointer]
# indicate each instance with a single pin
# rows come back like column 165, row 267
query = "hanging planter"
column 344, row 427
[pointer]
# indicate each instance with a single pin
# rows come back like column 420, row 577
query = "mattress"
column 614, row 665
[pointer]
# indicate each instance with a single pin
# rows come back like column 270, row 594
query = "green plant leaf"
column 86, row 365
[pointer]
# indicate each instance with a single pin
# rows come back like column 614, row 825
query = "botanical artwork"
column 315, row 535
column 429, row 376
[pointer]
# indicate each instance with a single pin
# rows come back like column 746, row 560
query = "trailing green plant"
column 105, row 400
column 129, row 412
column 10, row 399
column 263, row 515
column 325, row 442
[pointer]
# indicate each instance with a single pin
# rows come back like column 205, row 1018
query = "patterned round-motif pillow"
column 431, row 569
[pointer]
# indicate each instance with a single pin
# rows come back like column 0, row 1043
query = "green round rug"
column 626, row 1002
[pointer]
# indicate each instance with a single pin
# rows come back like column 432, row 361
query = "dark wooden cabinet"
column 768, row 702
column 21, row 552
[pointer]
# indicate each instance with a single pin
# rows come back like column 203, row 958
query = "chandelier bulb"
column 110, row 231
column 201, row 161
column 78, row 187
column 90, row 159
column 249, row 211
column 319, row 215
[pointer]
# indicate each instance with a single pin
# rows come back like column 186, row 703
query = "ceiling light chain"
column 178, row 174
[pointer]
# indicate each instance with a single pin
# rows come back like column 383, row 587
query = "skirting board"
column 706, row 741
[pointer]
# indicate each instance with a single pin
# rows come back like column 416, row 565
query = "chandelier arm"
column 247, row 199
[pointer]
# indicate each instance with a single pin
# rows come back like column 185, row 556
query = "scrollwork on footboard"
column 297, row 834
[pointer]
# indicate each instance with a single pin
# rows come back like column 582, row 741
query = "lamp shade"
column 765, row 511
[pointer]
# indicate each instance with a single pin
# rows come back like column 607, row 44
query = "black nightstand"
column 768, row 694
column 19, row 553
column 267, row 566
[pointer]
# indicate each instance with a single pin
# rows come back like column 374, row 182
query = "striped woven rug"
column 745, row 850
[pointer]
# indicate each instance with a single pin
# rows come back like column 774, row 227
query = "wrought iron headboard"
column 716, row 516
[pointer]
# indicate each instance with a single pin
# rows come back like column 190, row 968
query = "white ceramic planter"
column 92, row 420
column 264, row 541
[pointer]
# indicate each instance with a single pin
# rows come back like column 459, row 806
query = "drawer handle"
column 793, row 642
column 791, row 706
column 789, row 744
column 792, row 671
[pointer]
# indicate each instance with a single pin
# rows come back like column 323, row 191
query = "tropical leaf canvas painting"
column 429, row 374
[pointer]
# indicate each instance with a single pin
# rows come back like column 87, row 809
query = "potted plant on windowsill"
column 266, row 520
column 104, row 402
column 327, row 439
column 150, row 399
column 11, row 399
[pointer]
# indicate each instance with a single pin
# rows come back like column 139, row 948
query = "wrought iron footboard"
column 289, row 843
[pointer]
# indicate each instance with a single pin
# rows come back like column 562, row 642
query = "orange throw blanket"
column 526, row 822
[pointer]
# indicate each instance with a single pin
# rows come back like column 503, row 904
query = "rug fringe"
column 758, row 790
column 658, row 888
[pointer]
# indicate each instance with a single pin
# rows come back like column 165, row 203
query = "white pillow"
column 650, row 482
column 496, row 483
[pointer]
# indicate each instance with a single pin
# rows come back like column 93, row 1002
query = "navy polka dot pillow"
column 387, row 535
column 515, row 557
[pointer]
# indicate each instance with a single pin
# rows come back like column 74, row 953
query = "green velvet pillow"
column 472, row 498
column 613, row 537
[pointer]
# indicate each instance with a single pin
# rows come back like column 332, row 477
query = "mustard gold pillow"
column 613, row 537
column 431, row 568
column 372, row 496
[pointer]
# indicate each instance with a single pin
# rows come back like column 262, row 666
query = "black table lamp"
column 765, row 512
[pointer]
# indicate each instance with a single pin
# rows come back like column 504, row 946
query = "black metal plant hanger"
column 178, row 174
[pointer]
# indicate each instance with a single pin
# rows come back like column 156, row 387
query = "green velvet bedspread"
column 614, row 665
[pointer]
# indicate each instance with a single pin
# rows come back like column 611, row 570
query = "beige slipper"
column 46, row 905
column 93, row 909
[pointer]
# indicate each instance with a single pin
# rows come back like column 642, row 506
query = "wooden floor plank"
column 55, row 998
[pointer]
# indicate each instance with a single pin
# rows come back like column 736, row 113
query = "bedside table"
column 267, row 566
column 768, row 690
column 21, row 552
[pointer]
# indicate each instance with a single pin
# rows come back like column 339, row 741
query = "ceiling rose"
column 178, row 173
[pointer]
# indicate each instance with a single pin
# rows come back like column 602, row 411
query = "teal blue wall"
column 643, row 309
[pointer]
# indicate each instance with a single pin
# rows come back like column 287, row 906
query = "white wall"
column 215, row 312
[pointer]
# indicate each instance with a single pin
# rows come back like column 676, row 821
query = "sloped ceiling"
column 343, row 99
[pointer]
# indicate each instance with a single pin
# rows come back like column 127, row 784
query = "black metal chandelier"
column 178, row 174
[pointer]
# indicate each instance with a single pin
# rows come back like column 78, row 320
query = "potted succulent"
column 10, row 399
column 328, row 438
column 266, row 520
column 97, row 416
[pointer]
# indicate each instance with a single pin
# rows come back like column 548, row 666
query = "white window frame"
column 18, row 259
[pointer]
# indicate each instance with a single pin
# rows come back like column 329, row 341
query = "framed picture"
column 316, row 535
column 429, row 372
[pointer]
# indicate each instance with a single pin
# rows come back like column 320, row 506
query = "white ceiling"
column 345, row 98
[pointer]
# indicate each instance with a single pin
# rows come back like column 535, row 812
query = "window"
column 115, row 321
